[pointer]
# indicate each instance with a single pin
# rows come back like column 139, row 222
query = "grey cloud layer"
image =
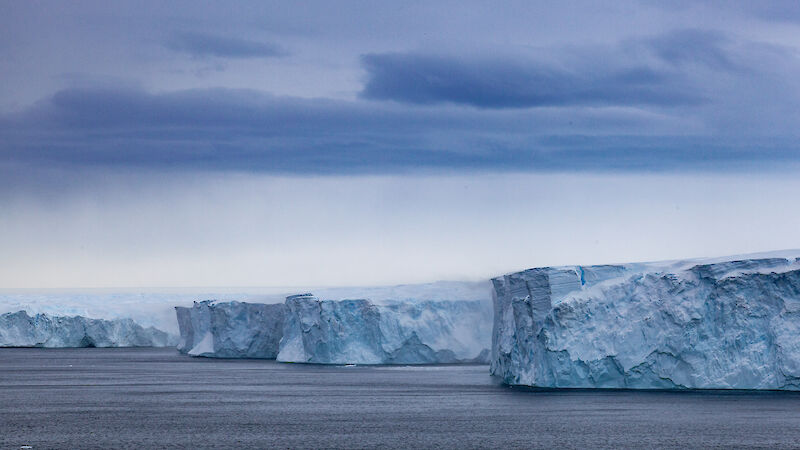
column 248, row 130
column 202, row 44
column 498, row 83
column 656, row 71
column 684, row 99
column 693, row 47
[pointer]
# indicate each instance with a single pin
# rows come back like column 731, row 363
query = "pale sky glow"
column 256, row 230
column 152, row 144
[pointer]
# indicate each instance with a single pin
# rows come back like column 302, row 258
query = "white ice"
column 41, row 330
column 728, row 323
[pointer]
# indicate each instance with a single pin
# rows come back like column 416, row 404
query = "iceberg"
column 725, row 323
column 305, row 329
column 230, row 329
column 146, row 306
column 363, row 332
column 18, row 329
column 156, row 306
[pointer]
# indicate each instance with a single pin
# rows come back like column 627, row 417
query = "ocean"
column 156, row 398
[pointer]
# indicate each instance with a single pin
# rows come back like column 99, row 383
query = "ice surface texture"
column 716, row 324
column 18, row 329
column 308, row 330
column 361, row 332
column 156, row 306
column 231, row 329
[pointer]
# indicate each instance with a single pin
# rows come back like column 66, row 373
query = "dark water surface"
column 149, row 398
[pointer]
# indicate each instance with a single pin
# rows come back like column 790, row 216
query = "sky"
column 147, row 144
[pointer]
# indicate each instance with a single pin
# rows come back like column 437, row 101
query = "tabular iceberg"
column 361, row 332
column 231, row 329
column 18, row 329
column 709, row 324
column 308, row 330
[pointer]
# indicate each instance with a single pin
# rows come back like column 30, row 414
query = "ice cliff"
column 308, row 330
column 231, row 329
column 156, row 307
column 728, row 323
column 18, row 329
column 362, row 332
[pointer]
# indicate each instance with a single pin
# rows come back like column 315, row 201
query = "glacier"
column 305, row 329
column 18, row 329
column 364, row 332
column 155, row 306
column 230, row 329
column 724, row 323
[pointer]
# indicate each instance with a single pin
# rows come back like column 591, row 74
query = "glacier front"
column 726, row 323
column 363, row 332
column 18, row 329
column 305, row 329
column 230, row 329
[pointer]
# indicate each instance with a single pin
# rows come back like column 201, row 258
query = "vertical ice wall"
column 682, row 324
column 231, row 329
column 42, row 330
column 308, row 330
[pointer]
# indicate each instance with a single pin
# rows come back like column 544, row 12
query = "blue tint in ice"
column 308, row 330
column 230, row 329
column 362, row 332
column 730, row 323
column 18, row 329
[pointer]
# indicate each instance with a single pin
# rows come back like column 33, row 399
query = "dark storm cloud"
column 507, row 83
column 683, row 99
column 202, row 45
column 247, row 130
column 640, row 72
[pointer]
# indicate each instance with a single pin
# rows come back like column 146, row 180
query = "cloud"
column 204, row 45
column 694, row 46
column 657, row 71
column 679, row 101
column 221, row 129
column 486, row 82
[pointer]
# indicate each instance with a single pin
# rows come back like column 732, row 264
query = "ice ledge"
column 230, row 329
column 307, row 330
column 18, row 329
column 712, row 324
column 361, row 332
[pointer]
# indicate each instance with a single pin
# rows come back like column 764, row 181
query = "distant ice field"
column 155, row 306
